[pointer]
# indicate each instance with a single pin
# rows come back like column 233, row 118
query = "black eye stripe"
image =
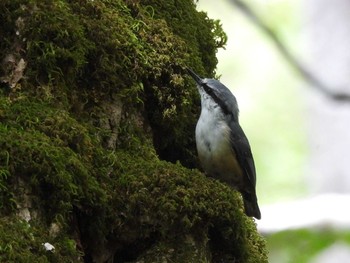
column 212, row 94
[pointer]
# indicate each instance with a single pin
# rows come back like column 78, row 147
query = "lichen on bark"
column 97, row 136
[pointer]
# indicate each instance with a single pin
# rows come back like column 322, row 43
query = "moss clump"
column 199, row 33
column 125, row 200
column 24, row 242
column 169, row 201
column 52, row 152
column 128, row 48
column 135, row 196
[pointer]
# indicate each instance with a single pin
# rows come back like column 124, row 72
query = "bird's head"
column 214, row 90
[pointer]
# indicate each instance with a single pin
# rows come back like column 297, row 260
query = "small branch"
column 289, row 57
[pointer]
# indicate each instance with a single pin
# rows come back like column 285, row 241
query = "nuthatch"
column 222, row 146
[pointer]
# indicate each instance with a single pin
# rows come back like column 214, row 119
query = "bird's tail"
column 251, row 205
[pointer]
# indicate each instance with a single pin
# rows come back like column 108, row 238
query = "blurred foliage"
column 302, row 245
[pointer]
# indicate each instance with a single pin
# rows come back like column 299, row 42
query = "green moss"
column 52, row 151
column 82, row 55
column 198, row 31
column 162, row 201
column 180, row 249
column 126, row 192
column 24, row 242
column 172, row 103
column 135, row 50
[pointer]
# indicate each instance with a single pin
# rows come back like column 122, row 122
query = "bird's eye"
column 208, row 90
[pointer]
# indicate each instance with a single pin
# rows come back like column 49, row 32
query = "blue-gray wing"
column 241, row 148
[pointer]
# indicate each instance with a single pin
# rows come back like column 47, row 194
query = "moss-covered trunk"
column 96, row 136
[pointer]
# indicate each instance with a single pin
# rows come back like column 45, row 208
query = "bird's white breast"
column 214, row 146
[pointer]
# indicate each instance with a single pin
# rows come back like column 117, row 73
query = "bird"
column 223, row 149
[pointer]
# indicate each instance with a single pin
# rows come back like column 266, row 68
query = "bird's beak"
column 195, row 77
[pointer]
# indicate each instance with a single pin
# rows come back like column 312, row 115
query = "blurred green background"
column 267, row 90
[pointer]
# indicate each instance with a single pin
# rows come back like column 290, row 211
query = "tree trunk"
column 96, row 137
